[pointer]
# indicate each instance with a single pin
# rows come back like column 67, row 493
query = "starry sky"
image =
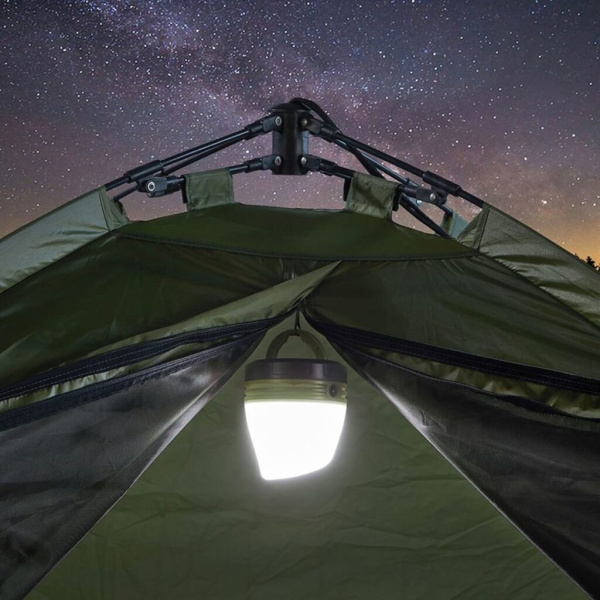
column 502, row 98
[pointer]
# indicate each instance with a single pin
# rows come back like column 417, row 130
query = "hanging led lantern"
column 295, row 409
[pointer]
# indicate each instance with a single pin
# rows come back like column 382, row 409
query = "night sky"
column 502, row 98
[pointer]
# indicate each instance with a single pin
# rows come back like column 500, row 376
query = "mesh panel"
column 66, row 461
column 540, row 469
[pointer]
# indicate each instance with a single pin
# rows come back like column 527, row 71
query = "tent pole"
column 290, row 123
column 260, row 127
column 334, row 135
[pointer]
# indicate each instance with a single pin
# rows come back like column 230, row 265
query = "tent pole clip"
column 441, row 183
column 423, row 194
column 322, row 165
column 320, row 129
column 265, row 125
column 264, row 163
column 155, row 187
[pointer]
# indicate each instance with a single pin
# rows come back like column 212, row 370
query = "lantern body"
column 295, row 424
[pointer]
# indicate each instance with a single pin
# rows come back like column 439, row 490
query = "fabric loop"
column 371, row 196
column 211, row 188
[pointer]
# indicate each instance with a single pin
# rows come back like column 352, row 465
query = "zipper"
column 344, row 335
column 97, row 391
column 131, row 355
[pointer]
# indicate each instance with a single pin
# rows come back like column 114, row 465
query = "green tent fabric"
column 120, row 382
column 57, row 234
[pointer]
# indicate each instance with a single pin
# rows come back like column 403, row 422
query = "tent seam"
column 156, row 239
column 459, row 359
column 102, row 361
column 519, row 401
column 99, row 390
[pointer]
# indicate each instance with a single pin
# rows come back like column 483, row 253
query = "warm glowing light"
column 293, row 438
column 295, row 409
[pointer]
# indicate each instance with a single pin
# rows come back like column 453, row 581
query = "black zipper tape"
column 348, row 335
column 97, row 391
column 519, row 401
column 131, row 355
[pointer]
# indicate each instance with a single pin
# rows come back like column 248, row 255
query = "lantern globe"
column 295, row 410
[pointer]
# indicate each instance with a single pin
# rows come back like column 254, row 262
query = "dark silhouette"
column 590, row 262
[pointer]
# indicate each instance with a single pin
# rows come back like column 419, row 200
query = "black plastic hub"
column 291, row 141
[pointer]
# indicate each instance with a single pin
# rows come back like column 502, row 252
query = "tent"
column 469, row 462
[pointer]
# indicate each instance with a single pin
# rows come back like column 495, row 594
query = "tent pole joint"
column 290, row 140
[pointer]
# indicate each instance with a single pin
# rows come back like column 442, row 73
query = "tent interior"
column 388, row 517
column 468, row 463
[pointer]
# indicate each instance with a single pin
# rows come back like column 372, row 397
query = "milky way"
column 502, row 98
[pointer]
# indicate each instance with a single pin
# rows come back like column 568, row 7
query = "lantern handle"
column 308, row 338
